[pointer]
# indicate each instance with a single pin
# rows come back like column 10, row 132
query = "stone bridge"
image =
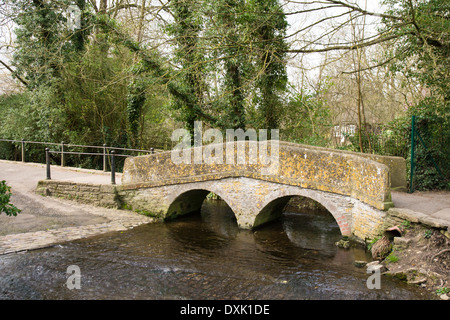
column 354, row 187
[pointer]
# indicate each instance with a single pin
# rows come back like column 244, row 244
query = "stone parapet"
column 345, row 173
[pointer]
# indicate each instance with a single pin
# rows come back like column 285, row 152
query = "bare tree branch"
column 356, row 8
column 14, row 74
column 355, row 46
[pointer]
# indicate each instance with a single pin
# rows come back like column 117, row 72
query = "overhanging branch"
column 14, row 74
column 355, row 46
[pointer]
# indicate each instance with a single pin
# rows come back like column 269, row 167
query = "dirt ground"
column 421, row 256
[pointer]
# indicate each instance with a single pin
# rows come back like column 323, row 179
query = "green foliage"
column 93, row 90
column 237, row 45
column 85, row 85
column 306, row 119
column 212, row 196
column 227, row 21
column 424, row 55
column 443, row 290
column 43, row 41
column 433, row 125
column 406, row 224
column 392, row 257
column 190, row 57
column 267, row 27
column 372, row 242
column 5, row 205
column 426, row 41
column 32, row 115
column 96, row 84
column 427, row 233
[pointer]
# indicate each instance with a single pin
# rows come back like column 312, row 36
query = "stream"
column 203, row 256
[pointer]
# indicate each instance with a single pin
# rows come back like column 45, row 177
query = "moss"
column 400, row 275
column 392, row 258
column 126, row 206
column 148, row 213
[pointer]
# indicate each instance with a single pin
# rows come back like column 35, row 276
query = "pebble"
column 360, row 263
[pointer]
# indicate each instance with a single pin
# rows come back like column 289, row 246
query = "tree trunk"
column 141, row 22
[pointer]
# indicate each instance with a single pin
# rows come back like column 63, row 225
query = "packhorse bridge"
column 355, row 188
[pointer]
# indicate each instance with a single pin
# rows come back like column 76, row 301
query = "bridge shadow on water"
column 303, row 225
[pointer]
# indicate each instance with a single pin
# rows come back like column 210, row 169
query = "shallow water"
column 202, row 256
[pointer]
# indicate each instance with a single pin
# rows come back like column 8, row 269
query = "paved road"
column 47, row 220
column 433, row 203
column 26, row 175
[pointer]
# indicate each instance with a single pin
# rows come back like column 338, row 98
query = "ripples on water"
column 202, row 257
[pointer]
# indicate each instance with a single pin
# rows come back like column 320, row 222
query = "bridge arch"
column 253, row 202
column 274, row 203
column 190, row 200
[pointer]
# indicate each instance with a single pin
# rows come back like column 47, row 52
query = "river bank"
column 420, row 255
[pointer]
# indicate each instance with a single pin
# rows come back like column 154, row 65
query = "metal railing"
column 106, row 152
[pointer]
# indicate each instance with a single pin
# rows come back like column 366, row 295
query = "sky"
column 312, row 61
column 296, row 22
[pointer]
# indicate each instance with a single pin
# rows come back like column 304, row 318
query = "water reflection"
column 201, row 257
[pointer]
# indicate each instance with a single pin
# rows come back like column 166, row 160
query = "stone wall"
column 368, row 222
column 254, row 202
column 327, row 170
column 93, row 194
column 396, row 165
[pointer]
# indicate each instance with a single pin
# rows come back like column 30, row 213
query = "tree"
column 37, row 59
column 226, row 32
column 240, row 47
column 424, row 55
column 189, row 57
column 416, row 30
column 306, row 118
column 85, row 85
column 267, row 28
column 425, row 40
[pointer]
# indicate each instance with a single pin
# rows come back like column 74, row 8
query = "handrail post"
column 62, row 154
column 104, row 157
column 47, row 162
column 23, row 150
column 113, row 168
